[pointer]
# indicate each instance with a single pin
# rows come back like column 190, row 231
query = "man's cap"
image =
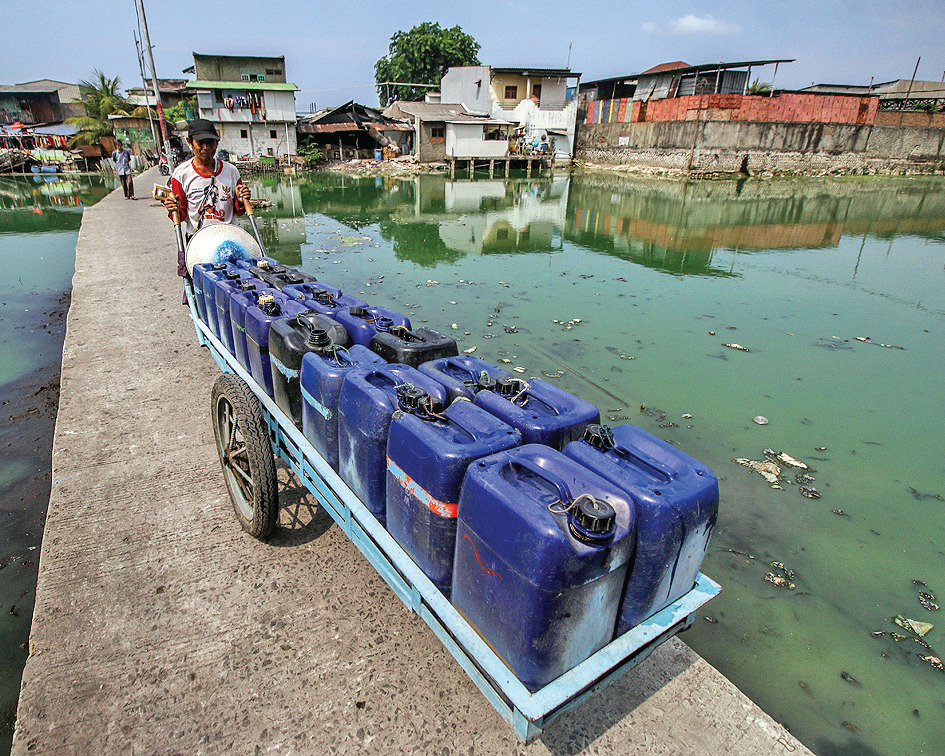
column 201, row 128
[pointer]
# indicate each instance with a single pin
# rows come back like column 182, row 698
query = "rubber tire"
column 250, row 474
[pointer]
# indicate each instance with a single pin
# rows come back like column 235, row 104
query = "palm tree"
column 101, row 98
column 759, row 87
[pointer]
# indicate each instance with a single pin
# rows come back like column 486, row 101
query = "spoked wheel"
column 245, row 454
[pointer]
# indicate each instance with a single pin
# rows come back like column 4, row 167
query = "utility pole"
column 144, row 86
column 154, row 81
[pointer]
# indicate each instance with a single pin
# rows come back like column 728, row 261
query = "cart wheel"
column 245, row 454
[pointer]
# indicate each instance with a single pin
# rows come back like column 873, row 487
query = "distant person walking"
column 122, row 159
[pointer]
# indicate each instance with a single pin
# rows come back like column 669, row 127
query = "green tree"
column 101, row 97
column 421, row 56
column 759, row 87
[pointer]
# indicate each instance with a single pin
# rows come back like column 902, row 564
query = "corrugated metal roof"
column 430, row 111
column 244, row 85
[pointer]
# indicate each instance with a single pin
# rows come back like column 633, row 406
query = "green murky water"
column 39, row 225
column 661, row 275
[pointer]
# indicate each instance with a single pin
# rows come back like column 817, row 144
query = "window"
column 272, row 134
column 511, row 92
column 244, row 134
column 244, row 77
column 273, row 72
column 438, row 132
column 536, row 91
column 218, row 95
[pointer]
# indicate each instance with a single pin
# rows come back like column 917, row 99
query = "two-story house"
column 250, row 102
column 537, row 103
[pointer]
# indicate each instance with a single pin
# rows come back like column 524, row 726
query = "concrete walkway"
column 160, row 628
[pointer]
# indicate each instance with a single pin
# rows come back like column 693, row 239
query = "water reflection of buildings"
column 48, row 202
column 282, row 224
column 677, row 226
column 495, row 216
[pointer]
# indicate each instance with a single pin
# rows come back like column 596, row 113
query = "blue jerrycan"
column 321, row 297
column 676, row 499
column 463, row 376
column 253, row 262
column 259, row 317
column 290, row 339
column 239, row 303
column 368, row 399
column 198, row 277
column 363, row 322
column 407, row 347
column 321, row 377
column 210, row 279
column 427, row 457
column 545, row 414
column 223, row 291
column 278, row 279
column 542, row 551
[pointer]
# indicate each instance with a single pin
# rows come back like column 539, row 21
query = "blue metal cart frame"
column 528, row 713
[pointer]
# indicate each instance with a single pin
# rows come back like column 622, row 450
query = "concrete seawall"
column 161, row 628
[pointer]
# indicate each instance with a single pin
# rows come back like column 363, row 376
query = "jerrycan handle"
column 653, row 466
column 564, row 493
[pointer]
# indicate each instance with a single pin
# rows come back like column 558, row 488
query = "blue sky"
column 331, row 46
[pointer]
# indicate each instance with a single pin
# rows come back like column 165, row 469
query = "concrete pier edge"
column 161, row 628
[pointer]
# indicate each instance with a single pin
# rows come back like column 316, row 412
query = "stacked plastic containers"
column 322, row 375
column 363, row 323
column 198, row 277
column 367, row 401
column 427, row 457
column 543, row 546
column 676, row 500
column 270, row 307
column 549, row 532
column 290, row 339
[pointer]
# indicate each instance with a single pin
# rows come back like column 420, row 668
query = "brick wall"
column 788, row 107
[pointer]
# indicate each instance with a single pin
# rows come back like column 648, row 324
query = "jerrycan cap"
column 506, row 386
column 262, row 263
column 598, row 437
column 592, row 519
column 358, row 312
column 410, row 398
column 219, row 266
column 485, row 382
column 269, row 305
column 383, row 324
column 316, row 336
column 231, row 275
column 322, row 296
column 247, row 286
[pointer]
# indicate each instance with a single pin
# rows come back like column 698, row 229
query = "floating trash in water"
column 913, row 626
column 927, row 600
column 504, row 361
column 847, row 677
column 454, row 326
column 878, row 633
column 626, row 357
column 786, row 459
column 780, row 581
column 868, row 340
column 687, row 416
column 760, row 420
column 711, row 333
column 711, row 620
column 834, row 342
column 809, row 492
column 804, row 478
column 934, row 661
column 519, row 369
column 469, row 351
column 851, row 727
column 552, row 375
column 766, row 468
column 838, row 512
column 737, row 347
column 510, row 329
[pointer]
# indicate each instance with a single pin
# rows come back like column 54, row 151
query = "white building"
column 249, row 101
column 538, row 104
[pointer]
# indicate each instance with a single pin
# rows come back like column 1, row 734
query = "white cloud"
column 691, row 24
